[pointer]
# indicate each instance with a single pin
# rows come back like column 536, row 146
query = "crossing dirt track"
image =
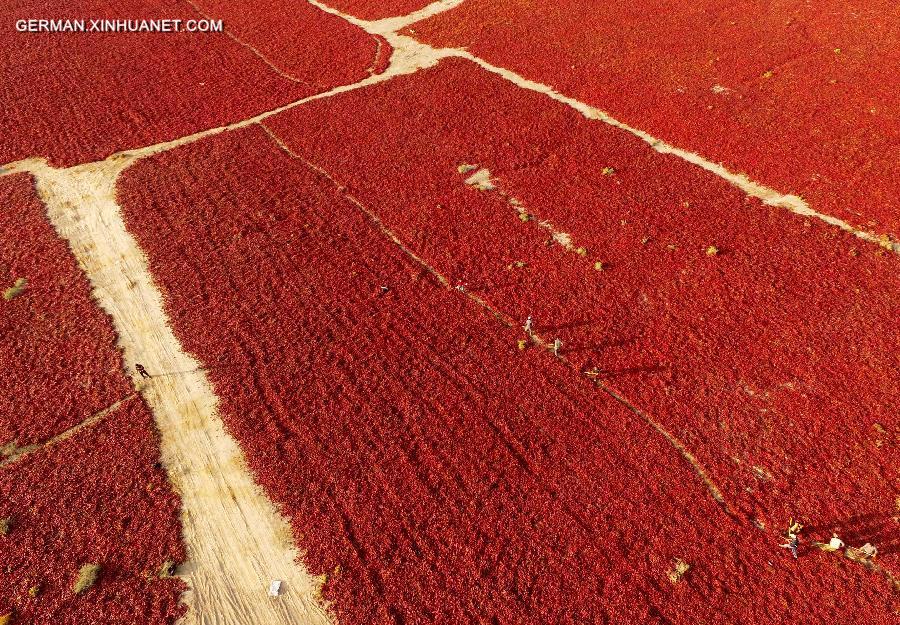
column 477, row 311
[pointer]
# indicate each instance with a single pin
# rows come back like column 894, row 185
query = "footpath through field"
column 761, row 340
column 80, row 478
column 78, row 97
column 800, row 96
column 431, row 468
column 326, row 237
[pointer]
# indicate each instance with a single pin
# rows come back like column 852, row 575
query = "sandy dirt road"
column 321, row 231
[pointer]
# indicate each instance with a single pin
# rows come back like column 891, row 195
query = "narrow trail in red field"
column 708, row 356
column 58, row 353
column 80, row 480
column 13, row 453
column 770, row 371
column 398, row 31
column 424, row 460
column 79, row 97
column 510, row 322
column 799, row 97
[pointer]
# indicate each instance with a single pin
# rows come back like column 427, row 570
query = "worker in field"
column 793, row 536
column 140, row 369
column 557, row 345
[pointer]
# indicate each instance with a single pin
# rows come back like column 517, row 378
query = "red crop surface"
column 96, row 495
column 290, row 36
column 78, row 97
column 96, row 498
column 802, row 97
column 769, row 356
column 521, row 313
column 57, row 349
column 433, row 470
column 378, row 9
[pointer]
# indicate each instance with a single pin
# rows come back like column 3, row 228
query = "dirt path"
column 237, row 541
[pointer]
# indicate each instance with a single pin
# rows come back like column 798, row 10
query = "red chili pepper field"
column 343, row 312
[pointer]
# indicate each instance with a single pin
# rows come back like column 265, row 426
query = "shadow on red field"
column 609, row 374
